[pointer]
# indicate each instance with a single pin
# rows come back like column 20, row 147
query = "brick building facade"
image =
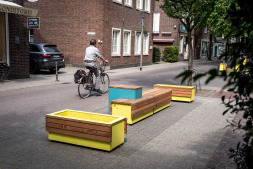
column 72, row 24
column 167, row 32
column 202, row 44
column 14, row 39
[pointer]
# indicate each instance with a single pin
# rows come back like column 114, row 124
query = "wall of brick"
column 67, row 22
column 18, row 46
column 168, row 24
column 124, row 17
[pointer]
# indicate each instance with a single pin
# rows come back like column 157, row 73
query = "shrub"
column 156, row 54
column 170, row 54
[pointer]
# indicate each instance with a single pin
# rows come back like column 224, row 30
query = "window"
column 204, row 48
column 147, row 5
column 137, row 45
column 206, row 29
column 31, row 35
column 127, row 43
column 51, row 48
column 4, row 47
column 34, row 48
column 156, row 22
column 145, row 43
column 139, row 4
column 118, row 1
column 116, row 41
column 128, row 2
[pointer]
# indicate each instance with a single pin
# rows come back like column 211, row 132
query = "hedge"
column 156, row 54
column 170, row 54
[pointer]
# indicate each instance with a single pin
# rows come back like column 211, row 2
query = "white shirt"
column 91, row 53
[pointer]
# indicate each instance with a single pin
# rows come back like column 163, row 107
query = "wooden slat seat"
column 78, row 128
column 179, row 93
column 150, row 101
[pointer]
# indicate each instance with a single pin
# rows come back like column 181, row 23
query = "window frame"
column 149, row 6
column 128, row 53
column 130, row 3
column 138, row 45
column 117, row 1
column 118, row 53
column 145, row 44
column 141, row 5
column 156, row 23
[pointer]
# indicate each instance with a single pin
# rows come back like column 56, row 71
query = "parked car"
column 45, row 56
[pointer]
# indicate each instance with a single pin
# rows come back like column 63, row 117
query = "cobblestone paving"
column 220, row 159
column 183, row 136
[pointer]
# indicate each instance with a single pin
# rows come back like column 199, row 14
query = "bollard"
column 56, row 72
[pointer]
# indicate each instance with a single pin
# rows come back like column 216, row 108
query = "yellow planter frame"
column 180, row 96
column 68, row 118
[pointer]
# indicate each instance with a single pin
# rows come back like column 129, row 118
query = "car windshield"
column 51, row 48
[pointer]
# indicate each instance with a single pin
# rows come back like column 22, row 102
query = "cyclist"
column 91, row 54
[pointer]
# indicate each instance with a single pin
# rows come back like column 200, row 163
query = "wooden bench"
column 151, row 102
column 93, row 130
column 124, row 91
column 179, row 93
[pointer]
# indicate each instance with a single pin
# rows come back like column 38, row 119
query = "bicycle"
column 4, row 71
column 87, row 82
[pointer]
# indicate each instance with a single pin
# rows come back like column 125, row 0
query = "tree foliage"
column 238, row 21
column 190, row 13
column 218, row 21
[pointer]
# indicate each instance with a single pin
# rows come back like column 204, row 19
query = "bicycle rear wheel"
column 83, row 90
column 104, row 82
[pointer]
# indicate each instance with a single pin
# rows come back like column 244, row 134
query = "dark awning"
column 163, row 40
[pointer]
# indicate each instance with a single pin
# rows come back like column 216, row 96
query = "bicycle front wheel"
column 83, row 90
column 104, row 82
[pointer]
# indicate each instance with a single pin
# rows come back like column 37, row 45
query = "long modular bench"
column 179, row 93
column 93, row 130
column 151, row 102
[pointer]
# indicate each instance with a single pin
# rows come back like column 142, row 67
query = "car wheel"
column 53, row 70
column 33, row 66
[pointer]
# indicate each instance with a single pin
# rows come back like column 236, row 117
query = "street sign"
column 33, row 22
column 182, row 28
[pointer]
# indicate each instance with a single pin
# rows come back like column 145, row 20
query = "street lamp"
column 142, row 25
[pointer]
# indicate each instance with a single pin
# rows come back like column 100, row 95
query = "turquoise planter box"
column 125, row 92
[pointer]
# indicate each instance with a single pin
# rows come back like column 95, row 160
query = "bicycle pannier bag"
column 78, row 75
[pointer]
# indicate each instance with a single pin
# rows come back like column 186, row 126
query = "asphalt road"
column 23, row 139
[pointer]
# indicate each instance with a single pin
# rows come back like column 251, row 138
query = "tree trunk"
column 210, row 47
column 190, row 56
